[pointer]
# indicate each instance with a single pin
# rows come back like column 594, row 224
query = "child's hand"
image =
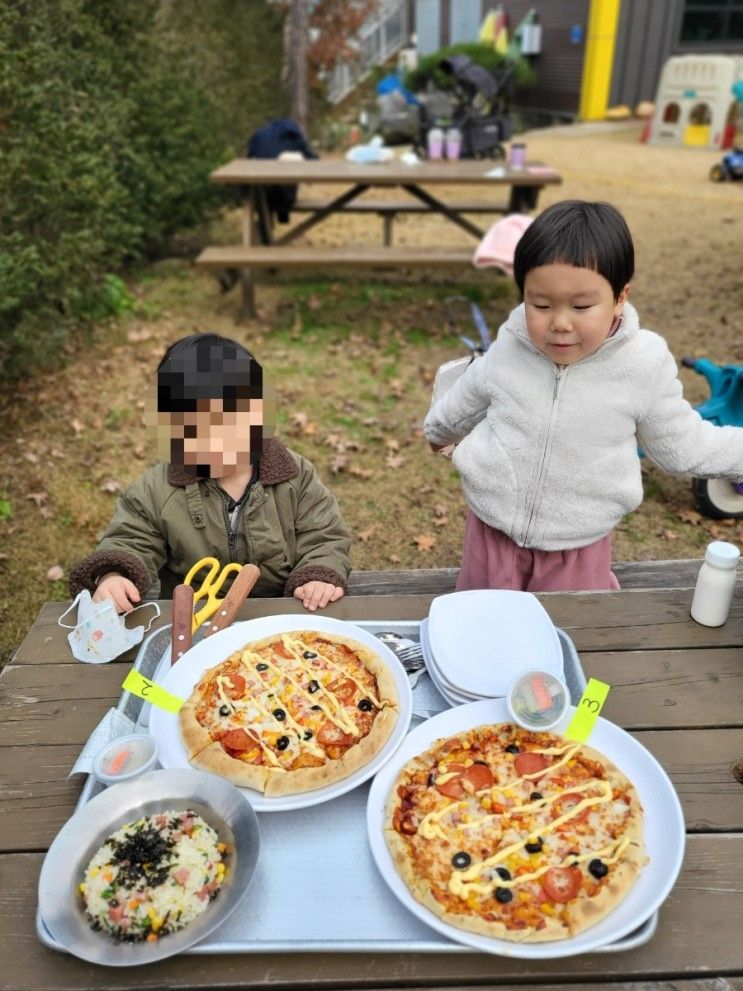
column 316, row 595
column 119, row 590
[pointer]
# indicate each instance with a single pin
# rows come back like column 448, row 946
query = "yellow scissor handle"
column 209, row 587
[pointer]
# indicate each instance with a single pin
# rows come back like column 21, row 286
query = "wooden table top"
column 261, row 171
column 677, row 686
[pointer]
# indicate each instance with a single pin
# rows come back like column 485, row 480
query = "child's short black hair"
column 576, row 232
column 206, row 366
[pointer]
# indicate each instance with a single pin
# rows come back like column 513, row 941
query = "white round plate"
column 60, row 901
column 183, row 676
column 664, row 833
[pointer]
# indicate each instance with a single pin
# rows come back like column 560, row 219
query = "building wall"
column 645, row 38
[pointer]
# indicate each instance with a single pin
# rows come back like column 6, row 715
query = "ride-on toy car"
column 717, row 497
column 730, row 167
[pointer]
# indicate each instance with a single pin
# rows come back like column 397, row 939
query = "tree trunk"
column 296, row 43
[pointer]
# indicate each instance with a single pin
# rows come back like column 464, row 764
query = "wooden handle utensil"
column 182, row 613
column 241, row 588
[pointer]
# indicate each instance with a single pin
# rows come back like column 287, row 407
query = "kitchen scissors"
column 209, row 588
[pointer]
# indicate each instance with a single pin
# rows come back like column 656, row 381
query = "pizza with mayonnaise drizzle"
column 517, row 835
column 290, row 713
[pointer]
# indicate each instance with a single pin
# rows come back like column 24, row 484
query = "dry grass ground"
column 353, row 359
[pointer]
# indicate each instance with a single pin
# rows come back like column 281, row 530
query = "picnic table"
column 677, row 686
column 253, row 175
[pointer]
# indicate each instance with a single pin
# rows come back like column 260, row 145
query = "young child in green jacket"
column 229, row 491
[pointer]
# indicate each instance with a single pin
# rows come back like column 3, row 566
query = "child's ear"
column 622, row 298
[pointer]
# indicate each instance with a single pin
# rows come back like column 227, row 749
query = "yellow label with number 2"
column 137, row 684
column 587, row 711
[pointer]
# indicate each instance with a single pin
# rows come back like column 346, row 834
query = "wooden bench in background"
column 267, row 256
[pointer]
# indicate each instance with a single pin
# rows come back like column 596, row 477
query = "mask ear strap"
column 144, row 605
column 69, row 609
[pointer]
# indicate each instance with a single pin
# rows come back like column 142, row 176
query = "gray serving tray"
column 320, row 855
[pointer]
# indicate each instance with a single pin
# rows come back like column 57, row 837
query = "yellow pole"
column 599, row 59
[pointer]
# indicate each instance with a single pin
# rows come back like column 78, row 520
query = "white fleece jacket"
column 548, row 454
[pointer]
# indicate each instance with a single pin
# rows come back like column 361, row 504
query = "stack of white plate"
column 476, row 643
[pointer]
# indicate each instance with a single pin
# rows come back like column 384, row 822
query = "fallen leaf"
column 140, row 451
column 441, row 521
column 394, row 460
column 670, row 535
column 394, row 559
column 338, row 463
column 365, row 535
column 439, row 510
column 690, row 516
column 392, row 443
column 31, row 457
column 77, row 427
column 138, row 336
column 358, row 472
column 425, row 541
column 40, row 498
column 111, row 485
column 397, row 389
column 55, row 573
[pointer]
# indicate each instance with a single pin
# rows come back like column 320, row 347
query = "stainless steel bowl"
column 216, row 800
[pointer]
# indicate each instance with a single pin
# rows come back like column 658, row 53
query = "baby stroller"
column 479, row 107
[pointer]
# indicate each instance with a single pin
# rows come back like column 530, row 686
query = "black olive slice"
column 598, row 868
column 261, row 667
column 279, row 714
column 461, row 860
column 224, row 710
column 535, row 796
column 503, row 873
column 513, row 749
column 535, row 847
column 365, row 705
column 313, row 687
column 282, row 743
column 309, row 654
column 316, row 707
column 308, row 734
column 503, row 895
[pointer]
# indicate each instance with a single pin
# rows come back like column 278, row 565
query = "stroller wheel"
column 718, row 498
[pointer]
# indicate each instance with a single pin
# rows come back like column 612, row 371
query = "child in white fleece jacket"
column 547, row 424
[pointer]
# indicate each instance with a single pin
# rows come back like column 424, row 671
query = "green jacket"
column 290, row 526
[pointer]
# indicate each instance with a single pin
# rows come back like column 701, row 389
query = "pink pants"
column 492, row 560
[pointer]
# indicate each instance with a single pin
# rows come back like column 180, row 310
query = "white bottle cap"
column 721, row 554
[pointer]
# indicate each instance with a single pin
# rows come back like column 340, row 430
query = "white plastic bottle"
column 715, row 584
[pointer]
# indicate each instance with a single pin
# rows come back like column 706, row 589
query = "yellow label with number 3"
column 137, row 684
column 587, row 711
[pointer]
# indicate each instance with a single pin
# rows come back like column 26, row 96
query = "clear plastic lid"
column 537, row 700
column 125, row 758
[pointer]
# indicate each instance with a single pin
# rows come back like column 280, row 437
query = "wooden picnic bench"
column 677, row 687
column 253, row 176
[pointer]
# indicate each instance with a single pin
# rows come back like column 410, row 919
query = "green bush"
column 106, row 143
column 428, row 71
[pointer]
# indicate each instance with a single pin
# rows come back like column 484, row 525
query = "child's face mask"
column 101, row 634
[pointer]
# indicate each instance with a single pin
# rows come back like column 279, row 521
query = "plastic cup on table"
column 435, row 143
column 453, row 143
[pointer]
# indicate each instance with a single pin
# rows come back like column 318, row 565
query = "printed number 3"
column 591, row 704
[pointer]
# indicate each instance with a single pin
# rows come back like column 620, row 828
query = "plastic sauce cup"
column 539, row 701
column 125, row 758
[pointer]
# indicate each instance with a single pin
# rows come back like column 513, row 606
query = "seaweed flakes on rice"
column 153, row 876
